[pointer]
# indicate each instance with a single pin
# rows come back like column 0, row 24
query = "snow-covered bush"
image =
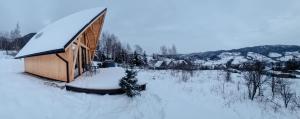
column 129, row 83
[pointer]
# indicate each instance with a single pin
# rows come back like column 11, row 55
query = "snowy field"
column 169, row 95
column 102, row 79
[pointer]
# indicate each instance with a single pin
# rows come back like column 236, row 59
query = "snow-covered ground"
column 224, row 58
column 104, row 78
column 169, row 95
column 4, row 56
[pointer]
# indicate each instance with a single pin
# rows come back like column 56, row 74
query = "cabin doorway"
column 83, row 59
column 77, row 69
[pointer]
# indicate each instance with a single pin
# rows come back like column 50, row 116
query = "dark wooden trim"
column 78, row 65
column 42, row 53
column 142, row 87
column 84, row 38
column 67, row 65
column 117, row 91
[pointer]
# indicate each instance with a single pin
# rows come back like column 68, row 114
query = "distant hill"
column 266, row 50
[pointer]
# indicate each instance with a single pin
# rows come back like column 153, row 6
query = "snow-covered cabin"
column 62, row 50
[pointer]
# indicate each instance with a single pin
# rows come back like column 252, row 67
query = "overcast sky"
column 191, row 25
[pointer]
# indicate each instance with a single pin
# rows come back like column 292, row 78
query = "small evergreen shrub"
column 129, row 83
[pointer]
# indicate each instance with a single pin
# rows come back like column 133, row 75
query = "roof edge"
column 83, row 28
column 68, row 43
column 42, row 53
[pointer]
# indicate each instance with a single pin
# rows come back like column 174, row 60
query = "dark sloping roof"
column 55, row 37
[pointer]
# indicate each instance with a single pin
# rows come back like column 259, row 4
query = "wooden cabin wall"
column 53, row 67
column 49, row 66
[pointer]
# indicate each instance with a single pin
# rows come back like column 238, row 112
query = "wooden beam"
column 76, row 53
column 97, row 38
column 103, row 14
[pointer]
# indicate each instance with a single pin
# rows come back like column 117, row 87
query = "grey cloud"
column 192, row 25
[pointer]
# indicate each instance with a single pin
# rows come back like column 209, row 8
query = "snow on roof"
column 158, row 63
column 58, row 34
column 168, row 61
column 180, row 62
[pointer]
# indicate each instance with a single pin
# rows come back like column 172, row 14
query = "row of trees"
column 10, row 40
column 279, row 87
column 287, row 66
column 110, row 48
column 168, row 51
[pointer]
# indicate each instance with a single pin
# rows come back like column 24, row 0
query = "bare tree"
column 273, row 82
column 117, row 51
column 274, row 85
column 111, row 48
column 5, row 42
column 128, row 48
column 145, row 59
column 128, row 51
column 138, row 49
column 14, row 35
column 108, row 44
column 164, row 50
column 228, row 76
column 296, row 102
column 254, row 80
column 2, row 41
column 251, row 83
column 286, row 92
column 227, row 70
column 173, row 50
